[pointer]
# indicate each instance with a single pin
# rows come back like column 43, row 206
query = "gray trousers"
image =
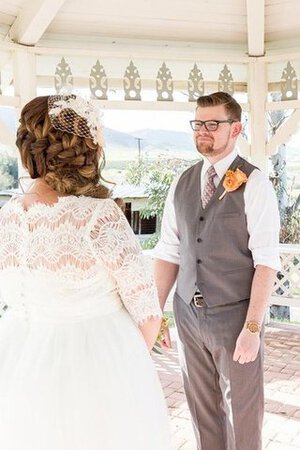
column 225, row 398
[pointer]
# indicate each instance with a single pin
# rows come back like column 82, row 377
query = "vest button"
column 199, row 261
column 199, row 240
column 201, row 218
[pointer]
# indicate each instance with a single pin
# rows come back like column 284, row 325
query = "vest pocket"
column 228, row 215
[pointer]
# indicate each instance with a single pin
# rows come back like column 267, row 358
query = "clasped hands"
column 164, row 338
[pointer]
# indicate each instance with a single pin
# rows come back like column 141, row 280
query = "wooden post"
column 258, row 120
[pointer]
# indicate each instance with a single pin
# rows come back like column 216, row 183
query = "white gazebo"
column 174, row 49
column 159, row 55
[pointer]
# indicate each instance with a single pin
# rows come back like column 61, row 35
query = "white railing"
column 287, row 287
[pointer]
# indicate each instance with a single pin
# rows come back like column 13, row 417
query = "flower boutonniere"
column 233, row 180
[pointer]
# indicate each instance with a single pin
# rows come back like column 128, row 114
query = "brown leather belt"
column 199, row 302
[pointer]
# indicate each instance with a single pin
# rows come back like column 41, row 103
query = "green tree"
column 8, row 171
column 290, row 226
column 136, row 172
column 287, row 203
column 156, row 177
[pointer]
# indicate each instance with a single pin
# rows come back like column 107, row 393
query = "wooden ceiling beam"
column 33, row 20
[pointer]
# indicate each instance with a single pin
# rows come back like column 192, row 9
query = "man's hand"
column 247, row 347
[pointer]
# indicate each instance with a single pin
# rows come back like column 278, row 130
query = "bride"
column 83, row 313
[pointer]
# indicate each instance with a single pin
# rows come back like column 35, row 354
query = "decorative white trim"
column 283, row 133
column 287, row 104
column 285, row 301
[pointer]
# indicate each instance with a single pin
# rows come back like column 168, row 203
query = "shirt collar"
column 220, row 166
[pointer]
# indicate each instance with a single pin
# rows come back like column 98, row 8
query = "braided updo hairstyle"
column 69, row 164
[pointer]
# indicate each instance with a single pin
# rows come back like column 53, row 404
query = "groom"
column 222, row 247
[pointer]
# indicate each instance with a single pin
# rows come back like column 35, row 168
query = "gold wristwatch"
column 253, row 327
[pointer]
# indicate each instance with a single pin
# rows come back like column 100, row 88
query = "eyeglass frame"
column 203, row 122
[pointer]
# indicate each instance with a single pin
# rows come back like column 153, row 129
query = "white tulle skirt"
column 79, row 385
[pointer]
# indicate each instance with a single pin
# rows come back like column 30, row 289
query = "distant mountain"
column 150, row 139
column 166, row 139
column 114, row 138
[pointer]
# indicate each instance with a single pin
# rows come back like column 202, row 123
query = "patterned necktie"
column 209, row 188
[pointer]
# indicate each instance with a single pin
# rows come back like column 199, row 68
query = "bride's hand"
column 165, row 339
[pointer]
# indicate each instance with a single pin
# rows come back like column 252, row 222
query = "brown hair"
column 222, row 98
column 69, row 164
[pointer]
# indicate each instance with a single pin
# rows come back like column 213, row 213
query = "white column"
column 258, row 90
column 24, row 72
column 24, row 75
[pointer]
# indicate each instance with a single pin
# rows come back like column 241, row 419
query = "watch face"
column 253, row 327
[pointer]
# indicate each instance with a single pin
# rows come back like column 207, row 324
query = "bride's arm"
column 150, row 330
column 115, row 243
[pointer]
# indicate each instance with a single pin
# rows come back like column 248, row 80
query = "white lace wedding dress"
column 75, row 373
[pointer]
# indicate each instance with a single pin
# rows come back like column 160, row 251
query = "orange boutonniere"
column 233, row 180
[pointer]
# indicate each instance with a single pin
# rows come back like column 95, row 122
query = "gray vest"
column 214, row 254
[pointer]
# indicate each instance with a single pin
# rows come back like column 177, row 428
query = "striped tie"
column 209, row 188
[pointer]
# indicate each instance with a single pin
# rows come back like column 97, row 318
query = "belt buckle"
column 197, row 300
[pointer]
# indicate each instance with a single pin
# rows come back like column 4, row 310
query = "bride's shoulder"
column 108, row 208
column 101, row 206
column 107, row 213
column 100, row 203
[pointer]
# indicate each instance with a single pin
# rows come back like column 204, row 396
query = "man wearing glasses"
column 222, row 248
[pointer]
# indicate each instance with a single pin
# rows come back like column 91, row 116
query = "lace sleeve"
column 113, row 241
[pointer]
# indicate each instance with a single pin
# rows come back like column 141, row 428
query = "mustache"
column 200, row 138
column 205, row 143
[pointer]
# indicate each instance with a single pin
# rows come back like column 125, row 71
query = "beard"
column 205, row 148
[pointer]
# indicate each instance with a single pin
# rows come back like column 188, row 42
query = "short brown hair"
column 69, row 164
column 222, row 98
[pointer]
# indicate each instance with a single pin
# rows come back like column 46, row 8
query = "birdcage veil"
column 75, row 115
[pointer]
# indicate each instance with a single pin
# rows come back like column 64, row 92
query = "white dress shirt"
column 261, row 209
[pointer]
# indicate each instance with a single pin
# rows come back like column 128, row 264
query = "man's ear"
column 236, row 129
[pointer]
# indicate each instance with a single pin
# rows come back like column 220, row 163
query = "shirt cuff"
column 267, row 256
column 166, row 252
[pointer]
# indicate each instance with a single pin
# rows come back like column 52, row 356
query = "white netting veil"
column 75, row 115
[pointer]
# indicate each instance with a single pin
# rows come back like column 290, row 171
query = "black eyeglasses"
column 209, row 125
